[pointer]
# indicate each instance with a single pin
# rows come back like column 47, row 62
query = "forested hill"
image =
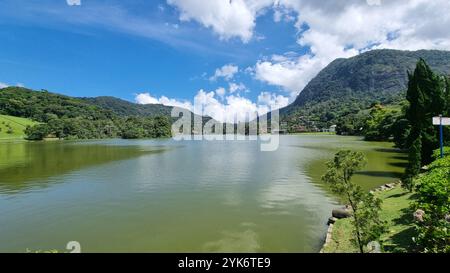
column 86, row 118
column 348, row 85
column 37, row 105
column 126, row 108
column 43, row 105
column 75, row 118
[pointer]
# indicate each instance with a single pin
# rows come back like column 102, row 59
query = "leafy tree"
column 426, row 95
column 401, row 129
column 37, row 132
column 380, row 124
column 162, row 127
column 366, row 221
column 414, row 163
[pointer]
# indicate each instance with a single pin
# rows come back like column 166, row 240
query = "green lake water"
column 168, row 196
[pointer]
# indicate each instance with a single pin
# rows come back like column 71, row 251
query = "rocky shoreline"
column 346, row 212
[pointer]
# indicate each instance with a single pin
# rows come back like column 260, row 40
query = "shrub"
column 433, row 196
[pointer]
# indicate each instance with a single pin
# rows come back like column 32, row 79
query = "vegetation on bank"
column 65, row 117
column 430, row 233
column 432, row 189
column 428, row 188
column 395, row 212
column 365, row 207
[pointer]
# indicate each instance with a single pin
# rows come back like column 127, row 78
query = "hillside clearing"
column 13, row 127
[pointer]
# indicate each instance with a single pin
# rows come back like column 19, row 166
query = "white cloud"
column 221, row 92
column 335, row 29
column 226, row 18
column 356, row 27
column 73, row 2
column 235, row 107
column 227, row 72
column 223, row 108
column 175, row 103
column 4, row 85
column 236, row 87
column 147, row 98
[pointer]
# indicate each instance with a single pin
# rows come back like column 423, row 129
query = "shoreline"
column 394, row 198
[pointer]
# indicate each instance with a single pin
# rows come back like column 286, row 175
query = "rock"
column 374, row 247
column 418, row 215
column 447, row 218
column 383, row 188
column 341, row 213
column 389, row 186
column 349, row 208
column 332, row 220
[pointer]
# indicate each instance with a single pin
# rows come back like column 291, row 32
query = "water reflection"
column 25, row 165
column 182, row 197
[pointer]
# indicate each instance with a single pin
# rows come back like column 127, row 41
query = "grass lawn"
column 17, row 125
column 395, row 210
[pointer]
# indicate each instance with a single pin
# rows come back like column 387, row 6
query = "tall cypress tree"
column 447, row 110
column 427, row 97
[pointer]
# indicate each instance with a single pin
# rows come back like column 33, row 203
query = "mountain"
column 18, row 101
column 87, row 118
column 67, row 117
column 43, row 105
column 347, row 86
column 125, row 108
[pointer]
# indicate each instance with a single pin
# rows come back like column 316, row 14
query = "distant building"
column 333, row 128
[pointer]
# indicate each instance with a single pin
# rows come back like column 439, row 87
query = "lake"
column 168, row 196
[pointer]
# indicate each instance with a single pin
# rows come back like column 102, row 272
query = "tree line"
column 65, row 117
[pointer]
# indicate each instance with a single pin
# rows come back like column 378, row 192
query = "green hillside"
column 126, row 108
column 13, row 127
column 67, row 117
column 347, row 86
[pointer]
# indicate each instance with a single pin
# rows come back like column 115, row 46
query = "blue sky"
column 94, row 60
column 264, row 52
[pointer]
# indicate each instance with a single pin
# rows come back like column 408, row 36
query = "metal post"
column 441, row 132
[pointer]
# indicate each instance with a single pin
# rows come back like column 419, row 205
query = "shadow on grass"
column 397, row 195
column 390, row 150
column 402, row 241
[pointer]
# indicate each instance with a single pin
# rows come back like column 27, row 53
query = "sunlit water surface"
column 168, row 196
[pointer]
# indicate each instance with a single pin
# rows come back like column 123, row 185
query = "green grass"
column 18, row 126
column 396, row 211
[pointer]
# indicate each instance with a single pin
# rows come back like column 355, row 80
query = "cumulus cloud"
column 231, row 108
column 227, row 72
column 226, row 18
column 329, row 29
column 4, row 85
column 73, row 2
column 236, row 108
column 221, row 92
column 236, row 87
column 344, row 29
column 147, row 98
